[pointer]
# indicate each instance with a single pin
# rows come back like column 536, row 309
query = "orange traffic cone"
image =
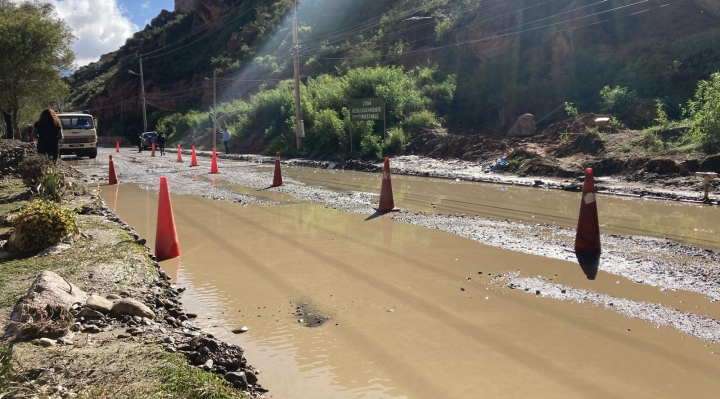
column 277, row 177
column 193, row 160
column 386, row 196
column 179, row 154
column 587, row 238
column 112, row 179
column 117, row 146
column 213, row 164
column 166, row 240
column 152, row 146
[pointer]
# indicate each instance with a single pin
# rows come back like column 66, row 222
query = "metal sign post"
column 367, row 109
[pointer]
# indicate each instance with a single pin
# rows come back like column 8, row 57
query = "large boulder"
column 711, row 164
column 524, row 127
column 51, row 289
column 96, row 302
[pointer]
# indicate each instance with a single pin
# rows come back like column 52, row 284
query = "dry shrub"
column 51, row 321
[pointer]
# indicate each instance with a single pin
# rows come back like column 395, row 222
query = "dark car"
column 148, row 139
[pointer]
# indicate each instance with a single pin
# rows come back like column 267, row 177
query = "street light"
column 142, row 94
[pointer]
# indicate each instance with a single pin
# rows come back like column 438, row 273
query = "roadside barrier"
column 277, row 177
column 213, row 164
column 112, row 179
column 587, row 238
column 117, row 146
column 152, row 146
column 386, row 196
column 193, row 160
column 179, row 154
column 166, row 240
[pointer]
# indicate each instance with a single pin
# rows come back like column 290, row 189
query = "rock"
column 524, row 127
column 251, row 377
column 90, row 314
column 50, row 289
column 96, row 302
column 711, row 164
column 238, row 380
column 47, row 342
column 208, row 365
column 239, row 330
column 191, row 315
column 113, row 297
column 128, row 306
column 92, row 329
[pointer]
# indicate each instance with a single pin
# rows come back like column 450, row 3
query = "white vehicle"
column 79, row 134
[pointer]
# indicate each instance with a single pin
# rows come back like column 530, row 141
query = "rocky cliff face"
column 184, row 5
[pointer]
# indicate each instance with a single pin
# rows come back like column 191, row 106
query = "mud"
column 417, row 312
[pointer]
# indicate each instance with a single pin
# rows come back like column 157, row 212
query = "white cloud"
column 145, row 4
column 100, row 26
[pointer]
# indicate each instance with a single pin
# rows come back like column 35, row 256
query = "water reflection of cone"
column 152, row 146
column 277, row 176
column 166, row 240
column 386, row 196
column 213, row 165
column 117, row 146
column 179, row 154
column 587, row 238
column 112, row 179
column 193, row 158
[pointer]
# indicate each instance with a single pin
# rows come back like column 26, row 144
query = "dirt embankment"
column 566, row 148
column 95, row 316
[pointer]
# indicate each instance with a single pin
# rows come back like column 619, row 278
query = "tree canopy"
column 36, row 48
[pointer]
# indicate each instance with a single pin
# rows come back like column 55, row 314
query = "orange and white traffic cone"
column 213, row 164
column 179, row 154
column 152, row 147
column 386, row 196
column 112, row 179
column 193, row 158
column 587, row 238
column 277, row 176
column 167, row 245
column 117, row 146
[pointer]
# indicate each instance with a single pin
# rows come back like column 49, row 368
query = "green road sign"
column 367, row 109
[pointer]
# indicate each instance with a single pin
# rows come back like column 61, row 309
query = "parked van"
column 79, row 134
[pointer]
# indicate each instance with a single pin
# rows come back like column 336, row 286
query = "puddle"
column 688, row 223
column 409, row 314
column 266, row 194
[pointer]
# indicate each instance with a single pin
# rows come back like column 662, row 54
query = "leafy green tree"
column 704, row 112
column 35, row 47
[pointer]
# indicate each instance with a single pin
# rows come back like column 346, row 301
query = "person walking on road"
column 226, row 140
column 48, row 132
column 140, row 145
column 161, row 143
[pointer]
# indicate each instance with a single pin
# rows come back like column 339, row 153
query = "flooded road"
column 682, row 222
column 401, row 311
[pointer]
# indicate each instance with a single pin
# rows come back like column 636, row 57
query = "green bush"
column 370, row 147
column 42, row 224
column 34, row 168
column 6, row 356
column 618, row 99
column 396, row 139
column 327, row 136
column 420, row 120
column 704, row 112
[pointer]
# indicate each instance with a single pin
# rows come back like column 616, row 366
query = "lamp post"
column 142, row 94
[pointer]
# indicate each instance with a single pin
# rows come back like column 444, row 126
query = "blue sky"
column 102, row 26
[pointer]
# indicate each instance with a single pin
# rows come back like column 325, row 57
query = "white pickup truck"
column 79, row 134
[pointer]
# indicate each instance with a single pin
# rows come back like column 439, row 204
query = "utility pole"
column 214, row 107
column 142, row 93
column 299, row 128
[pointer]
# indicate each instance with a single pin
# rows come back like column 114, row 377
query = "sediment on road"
column 95, row 316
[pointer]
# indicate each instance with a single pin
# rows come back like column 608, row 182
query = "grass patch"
column 179, row 380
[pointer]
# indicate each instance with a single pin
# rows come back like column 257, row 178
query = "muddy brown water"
column 688, row 223
column 399, row 324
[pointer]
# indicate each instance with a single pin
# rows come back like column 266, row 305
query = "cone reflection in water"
column 171, row 267
column 112, row 178
column 213, row 164
column 193, row 158
column 166, row 240
column 179, row 154
column 587, row 238
column 277, row 176
column 114, row 198
column 387, row 204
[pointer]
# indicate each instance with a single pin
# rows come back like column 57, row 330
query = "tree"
column 36, row 48
column 704, row 111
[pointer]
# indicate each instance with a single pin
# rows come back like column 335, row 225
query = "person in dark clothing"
column 161, row 143
column 140, row 145
column 48, row 132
